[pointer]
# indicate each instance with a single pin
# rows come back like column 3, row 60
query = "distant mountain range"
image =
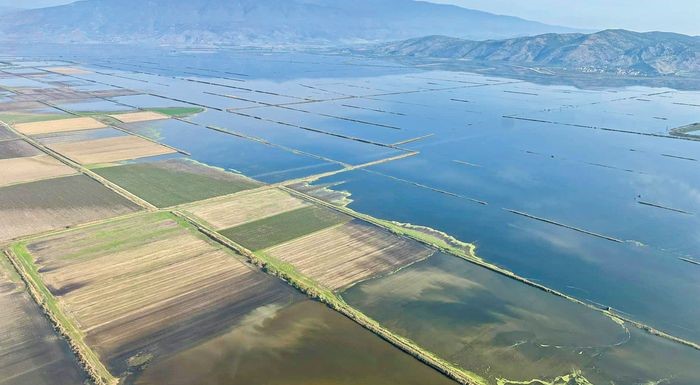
column 610, row 51
column 258, row 22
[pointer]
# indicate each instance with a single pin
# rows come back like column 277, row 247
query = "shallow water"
column 303, row 343
column 499, row 328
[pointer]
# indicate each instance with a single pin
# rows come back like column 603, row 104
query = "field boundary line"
column 84, row 171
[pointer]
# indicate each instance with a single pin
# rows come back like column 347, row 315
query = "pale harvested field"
column 30, row 351
column 343, row 255
column 27, row 169
column 108, row 150
column 68, row 70
column 59, row 125
column 50, row 204
column 148, row 285
column 246, row 207
column 141, row 116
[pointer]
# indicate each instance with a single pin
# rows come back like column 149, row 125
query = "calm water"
column 498, row 329
column 581, row 157
column 303, row 343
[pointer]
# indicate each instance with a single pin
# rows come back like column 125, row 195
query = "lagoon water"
column 620, row 194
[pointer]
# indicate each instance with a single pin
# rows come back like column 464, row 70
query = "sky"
column 638, row 15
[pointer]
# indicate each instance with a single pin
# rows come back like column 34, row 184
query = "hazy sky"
column 639, row 15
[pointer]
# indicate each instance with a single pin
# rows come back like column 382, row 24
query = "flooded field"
column 500, row 329
column 302, row 343
column 589, row 191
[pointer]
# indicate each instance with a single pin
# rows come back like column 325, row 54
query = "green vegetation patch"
column 271, row 231
column 19, row 117
column 177, row 112
column 170, row 183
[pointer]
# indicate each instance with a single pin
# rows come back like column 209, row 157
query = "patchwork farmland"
column 245, row 207
column 175, row 181
column 147, row 286
column 51, row 204
column 270, row 231
column 343, row 255
column 323, row 244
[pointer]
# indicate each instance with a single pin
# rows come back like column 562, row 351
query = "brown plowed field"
column 50, row 204
column 17, row 149
column 343, row 255
column 30, row 351
column 148, row 285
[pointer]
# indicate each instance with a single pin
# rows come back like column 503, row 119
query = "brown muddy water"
column 501, row 329
column 31, row 353
column 304, row 343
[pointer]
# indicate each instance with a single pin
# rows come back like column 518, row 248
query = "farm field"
column 27, row 169
column 31, row 353
column 447, row 156
column 6, row 134
column 344, row 255
column 60, row 125
column 147, row 286
column 108, row 150
column 141, row 116
column 298, row 344
column 68, row 70
column 245, row 207
column 175, row 181
column 50, row 204
column 270, row 231
column 16, row 149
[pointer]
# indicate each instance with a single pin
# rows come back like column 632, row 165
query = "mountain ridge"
column 609, row 51
column 236, row 22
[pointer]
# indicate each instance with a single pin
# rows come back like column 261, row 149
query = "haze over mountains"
column 609, row 51
column 401, row 28
column 259, row 22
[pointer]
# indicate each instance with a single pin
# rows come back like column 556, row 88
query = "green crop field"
column 267, row 232
column 170, row 183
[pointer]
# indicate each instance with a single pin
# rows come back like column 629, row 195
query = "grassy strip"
column 24, row 264
column 314, row 290
column 270, row 231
